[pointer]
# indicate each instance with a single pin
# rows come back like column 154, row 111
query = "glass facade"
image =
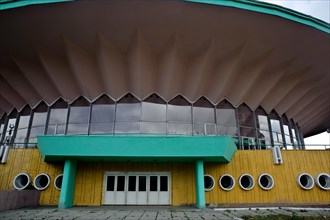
column 151, row 116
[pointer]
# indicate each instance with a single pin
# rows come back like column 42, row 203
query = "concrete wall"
column 14, row 199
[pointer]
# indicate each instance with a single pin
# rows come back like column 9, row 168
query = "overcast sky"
column 319, row 9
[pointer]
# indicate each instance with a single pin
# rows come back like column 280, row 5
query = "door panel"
column 137, row 188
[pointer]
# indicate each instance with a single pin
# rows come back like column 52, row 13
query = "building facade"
column 163, row 103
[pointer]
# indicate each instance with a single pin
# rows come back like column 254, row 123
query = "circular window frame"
column 310, row 181
column 269, row 178
column 213, row 183
column 55, row 181
column 250, row 178
column 232, row 179
column 317, row 181
column 19, row 176
column 36, row 180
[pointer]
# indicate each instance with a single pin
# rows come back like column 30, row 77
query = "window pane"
column 164, row 183
column 38, row 125
column 227, row 130
column 127, row 127
column 110, row 183
column 263, row 122
column 205, row 129
column 142, row 183
column 264, row 139
column 10, row 127
column 101, row 128
column 245, row 116
column 203, row 115
column 153, row 183
column 179, row 128
column 226, row 117
column 120, row 183
column 153, row 111
column 153, row 127
column 179, row 113
column 57, row 120
column 102, row 113
column 102, row 119
column 22, row 130
column 78, row 120
column 131, row 183
column 275, row 124
column 128, row 112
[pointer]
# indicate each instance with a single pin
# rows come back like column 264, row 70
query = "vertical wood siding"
column 90, row 177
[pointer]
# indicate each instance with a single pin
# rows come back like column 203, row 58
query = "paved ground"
column 152, row 213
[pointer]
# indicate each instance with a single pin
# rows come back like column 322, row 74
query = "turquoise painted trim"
column 271, row 9
column 200, row 188
column 68, row 184
column 137, row 148
column 8, row 4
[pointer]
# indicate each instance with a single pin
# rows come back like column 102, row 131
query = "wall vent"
column 277, row 156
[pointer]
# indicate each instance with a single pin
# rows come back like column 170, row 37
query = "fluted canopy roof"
column 89, row 48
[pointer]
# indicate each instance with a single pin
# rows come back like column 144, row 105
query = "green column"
column 68, row 183
column 199, row 177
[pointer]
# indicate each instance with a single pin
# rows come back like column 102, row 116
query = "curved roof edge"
column 8, row 4
column 261, row 7
column 271, row 9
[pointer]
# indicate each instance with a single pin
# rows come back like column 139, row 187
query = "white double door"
column 137, row 188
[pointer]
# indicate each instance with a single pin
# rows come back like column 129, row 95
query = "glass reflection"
column 22, row 129
column 102, row 118
column 153, row 115
column 204, row 118
column 38, row 125
column 128, row 115
column 263, row 129
column 179, row 116
column 57, row 118
column 2, row 126
column 79, row 117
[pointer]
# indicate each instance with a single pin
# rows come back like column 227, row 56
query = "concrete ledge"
column 16, row 199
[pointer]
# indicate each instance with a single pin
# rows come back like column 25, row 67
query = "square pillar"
column 200, row 189
column 68, row 184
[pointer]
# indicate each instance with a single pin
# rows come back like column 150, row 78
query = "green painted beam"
column 8, row 4
column 200, row 188
column 137, row 148
column 68, row 184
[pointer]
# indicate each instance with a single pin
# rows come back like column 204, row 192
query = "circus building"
column 197, row 102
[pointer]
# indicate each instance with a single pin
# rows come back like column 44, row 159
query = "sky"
column 319, row 9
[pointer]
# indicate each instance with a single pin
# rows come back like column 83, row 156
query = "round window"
column 41, row 181
column 246, row 181
column 266, row 181
column 58, row 182
column 208, row 182
column 227, row 182
column 323, row 181
column 305, row 181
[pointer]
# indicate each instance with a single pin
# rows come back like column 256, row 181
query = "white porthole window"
column 208, row 182
column 323, row 181
column 58, row 182
column 246, row 181
column 21, row 181
column 41, row 181
column 227, row 182
column 266, row 181
column 305, row 181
